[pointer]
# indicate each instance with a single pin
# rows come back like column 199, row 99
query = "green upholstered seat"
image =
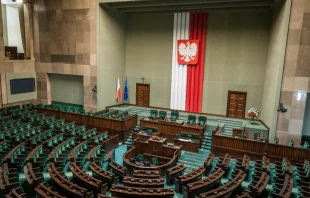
column 191, row 119
column 140, row 157
column 291, row 143
column 202, row 120
column 149, row 128
column 154, row 161
column 162, row 114
column 174, row 115
column 153, row 113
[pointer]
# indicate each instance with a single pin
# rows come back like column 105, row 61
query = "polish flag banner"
column 118, row 90
column 188, row 52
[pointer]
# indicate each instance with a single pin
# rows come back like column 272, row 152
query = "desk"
column 187, row 145
column 173, row 127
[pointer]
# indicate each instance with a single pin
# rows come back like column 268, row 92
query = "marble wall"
column 66, row 30
column 295, row 84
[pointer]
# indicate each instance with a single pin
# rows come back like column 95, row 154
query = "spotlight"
column 281, row 108
column 94, row 89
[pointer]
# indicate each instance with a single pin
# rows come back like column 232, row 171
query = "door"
column 236, row 102
column 143, row 95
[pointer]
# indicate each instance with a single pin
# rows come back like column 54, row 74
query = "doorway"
column 143, row 95
column 236, row 102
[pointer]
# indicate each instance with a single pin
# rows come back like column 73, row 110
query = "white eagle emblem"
column 188, row 51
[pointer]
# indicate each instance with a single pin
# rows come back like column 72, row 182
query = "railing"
column 237, row 147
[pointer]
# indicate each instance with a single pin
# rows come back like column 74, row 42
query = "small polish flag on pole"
column 118, row 90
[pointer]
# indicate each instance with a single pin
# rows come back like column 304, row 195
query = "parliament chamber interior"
column 155, row 98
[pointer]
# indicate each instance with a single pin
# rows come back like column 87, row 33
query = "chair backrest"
column 153, row 113
column 174, row 115
column 191, row 119
column 291, row 143
column 202, row 120
column 162, row 114
column 140, row 157
column 154, row 161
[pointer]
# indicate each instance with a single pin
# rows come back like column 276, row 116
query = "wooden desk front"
column 172, row 127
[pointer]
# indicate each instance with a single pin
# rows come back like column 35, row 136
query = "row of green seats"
column 65, row 108
column 188, row 135
column 56, row 124
column 78, row 130
column 303, row 173
column 55, row 140
column 201, row 120
column 6, row 119
column 4, row 148
column 24, row 135
column 62, row 151
column 163, row 114
column 27, row 106
column 67, row 127
column 6, row 111
column 35, row 119
column 101, row 113
column 111, row 114
column 100, row 138
column 27, row 116
column 88, row 134
column 122, row 115
column 13, row 158
column 17, row 113
column 10, row 124
column 98, row 154
column 35, row 154
column 45, row 122
column 79, row 154
column 13, row 131
column 79, row 149
column 41, row 137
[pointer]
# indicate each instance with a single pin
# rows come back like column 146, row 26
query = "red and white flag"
column 188, row 60
column 118, row 90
